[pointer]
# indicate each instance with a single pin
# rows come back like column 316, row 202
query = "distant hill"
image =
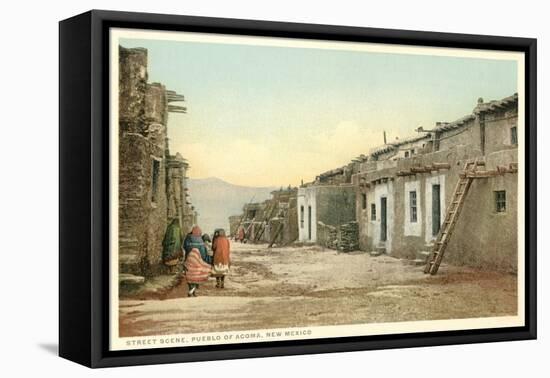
column 215, row 200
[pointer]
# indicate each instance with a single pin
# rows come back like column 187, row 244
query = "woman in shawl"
column 240, row 234
column 194, row 240
column 171, row 245
column 196, row 271
column 222, row 258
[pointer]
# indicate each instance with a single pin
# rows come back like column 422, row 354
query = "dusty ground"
column 310, row 286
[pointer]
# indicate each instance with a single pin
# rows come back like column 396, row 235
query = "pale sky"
column 272, row 116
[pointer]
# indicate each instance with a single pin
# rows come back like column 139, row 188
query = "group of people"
column 202, row 257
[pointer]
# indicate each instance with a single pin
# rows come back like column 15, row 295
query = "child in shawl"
column 196, row 271
column 208, row 244
column 172, row 245
column 222, row 258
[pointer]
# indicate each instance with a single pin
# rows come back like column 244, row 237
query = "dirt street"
column 312, row 286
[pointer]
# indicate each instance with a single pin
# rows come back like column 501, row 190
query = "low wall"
column 343, row 238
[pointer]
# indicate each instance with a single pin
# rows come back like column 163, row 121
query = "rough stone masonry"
column 152, row 182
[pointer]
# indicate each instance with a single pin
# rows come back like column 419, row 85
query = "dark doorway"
column 309, row 222
column 436, row 209
column 383, row 219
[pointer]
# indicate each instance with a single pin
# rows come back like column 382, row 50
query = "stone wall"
column 343, row 237
column 132, row 89
column 142, row 201
column 327, row 235
column 152, row 187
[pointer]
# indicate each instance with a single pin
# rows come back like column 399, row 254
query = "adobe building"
column 274, row 221
column 152, row 182
column 405, row 188
column 323, row 209
column 326, row 209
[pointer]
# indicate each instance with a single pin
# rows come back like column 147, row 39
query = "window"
column 500, row 201
column 155, row 180
column 372, row 211
column 406, row 154
column 363, row 201
column 514, row 135
column 413, row 208
column 309, row 222
column 301, row 217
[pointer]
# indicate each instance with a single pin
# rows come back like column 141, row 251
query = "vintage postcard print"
column 267, row 189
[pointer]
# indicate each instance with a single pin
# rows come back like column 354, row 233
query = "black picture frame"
column 84, row 187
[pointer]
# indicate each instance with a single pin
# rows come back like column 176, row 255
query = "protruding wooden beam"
column 175, row 98
column 482, row 174
column 423, row 169
column 509, row 169
column 405, row 173
column 177, row 109
column 438, row 166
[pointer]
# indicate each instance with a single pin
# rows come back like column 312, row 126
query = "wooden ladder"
column 279, row 230
column 451, row 217
column 249, row 228
column 269, row 215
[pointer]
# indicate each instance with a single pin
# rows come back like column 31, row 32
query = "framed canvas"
column 234, row 188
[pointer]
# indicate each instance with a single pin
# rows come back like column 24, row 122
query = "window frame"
column 155, row 179
column 413, row 206
column 500, row 201
column 514, row 135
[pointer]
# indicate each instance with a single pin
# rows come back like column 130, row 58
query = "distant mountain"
column 215, row 200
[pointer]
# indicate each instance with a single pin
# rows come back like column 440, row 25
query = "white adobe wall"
column 413, row 228
column 383, row 190
column 434, row 180
column 307, row 197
